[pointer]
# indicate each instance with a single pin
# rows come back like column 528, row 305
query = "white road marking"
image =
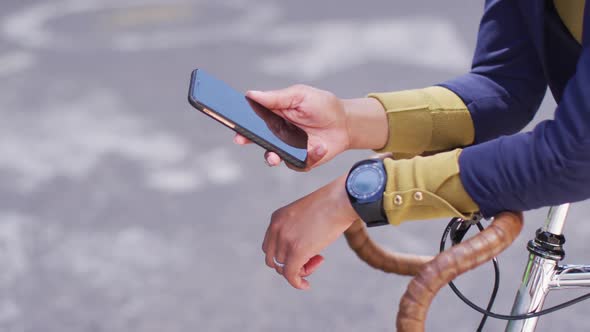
column 314, row 50
column 311, row 50
column 13, row 256
column 9, row 311
column 101, row 258
column 29, row 27
column 16, row 62
column 219, row 166
column 175, row 180
column 71, row 138
column 251, row 25
column 14, row 260
column 104, row 258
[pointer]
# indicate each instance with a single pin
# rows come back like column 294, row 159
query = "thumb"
column 288, row 98
column 311, row 266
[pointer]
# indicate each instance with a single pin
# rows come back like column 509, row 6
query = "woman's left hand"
column 299, row 231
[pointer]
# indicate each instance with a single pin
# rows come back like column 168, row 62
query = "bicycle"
column 542, row 272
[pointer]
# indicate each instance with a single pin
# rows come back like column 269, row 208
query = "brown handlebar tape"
column 390, row 262
column 452, row 262
column 432, row 274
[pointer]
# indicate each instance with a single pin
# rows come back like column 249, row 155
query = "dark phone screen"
column 234, row 106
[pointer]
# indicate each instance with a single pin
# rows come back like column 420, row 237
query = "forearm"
column 425, row 120
column 547, row 166
column 425, row 188
column 506, row 83
column 367, row 123
column 410, row 122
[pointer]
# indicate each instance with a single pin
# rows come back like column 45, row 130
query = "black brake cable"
column 489, row 313
column 457, row 238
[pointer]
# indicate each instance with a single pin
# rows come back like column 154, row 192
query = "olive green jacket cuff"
column 425, row 188
column 425, row 120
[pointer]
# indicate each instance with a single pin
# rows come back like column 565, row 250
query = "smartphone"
column 248, row 118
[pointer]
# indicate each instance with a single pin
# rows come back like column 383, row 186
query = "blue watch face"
column 365, row 181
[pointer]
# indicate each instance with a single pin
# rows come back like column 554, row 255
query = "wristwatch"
column 365, row 185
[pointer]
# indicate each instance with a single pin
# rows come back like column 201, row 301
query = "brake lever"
column 461, row 226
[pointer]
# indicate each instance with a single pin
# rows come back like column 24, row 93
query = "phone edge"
column 241, row 130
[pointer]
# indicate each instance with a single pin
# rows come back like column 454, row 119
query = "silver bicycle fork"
column 543, row 273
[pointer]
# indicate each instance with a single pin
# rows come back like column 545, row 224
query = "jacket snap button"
column 398, row 200
column 418, row 196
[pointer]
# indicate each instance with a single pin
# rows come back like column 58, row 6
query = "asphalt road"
column 124, row 209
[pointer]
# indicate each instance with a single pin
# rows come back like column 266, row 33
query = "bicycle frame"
column 543, row 273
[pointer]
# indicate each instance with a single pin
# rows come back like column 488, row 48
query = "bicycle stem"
column 556, row 219
column 542, row 273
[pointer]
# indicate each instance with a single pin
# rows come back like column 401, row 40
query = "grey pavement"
column 124, row 209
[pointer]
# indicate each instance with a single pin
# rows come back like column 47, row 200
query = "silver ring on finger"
column 277, row 263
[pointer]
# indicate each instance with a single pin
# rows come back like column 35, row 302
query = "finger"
column 280, row 268
column 293, row 265
column 268, row 260
column 241, row 140
column 272, row 159
column 265, row 242
column 268, row 246
column 279, row 254
column 311, row 266
column 314, row 156
column 316, row 152
column 289, row 98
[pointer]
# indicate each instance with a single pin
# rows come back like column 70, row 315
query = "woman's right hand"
column 332, row 125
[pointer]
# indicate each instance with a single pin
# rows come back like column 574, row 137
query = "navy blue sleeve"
column 548, row 166
column 506, row 84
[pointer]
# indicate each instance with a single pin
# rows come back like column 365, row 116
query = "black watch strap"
column 372, row 214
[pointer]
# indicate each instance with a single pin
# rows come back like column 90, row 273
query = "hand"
column 299, row 231
column 319, row 113
column 332, row 125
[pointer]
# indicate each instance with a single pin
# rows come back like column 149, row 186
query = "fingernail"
column 267, row 162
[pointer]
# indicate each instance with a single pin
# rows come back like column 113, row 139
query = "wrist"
column 339, row 197
column 366, row 123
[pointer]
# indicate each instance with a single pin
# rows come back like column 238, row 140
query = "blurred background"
column 122, row 208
